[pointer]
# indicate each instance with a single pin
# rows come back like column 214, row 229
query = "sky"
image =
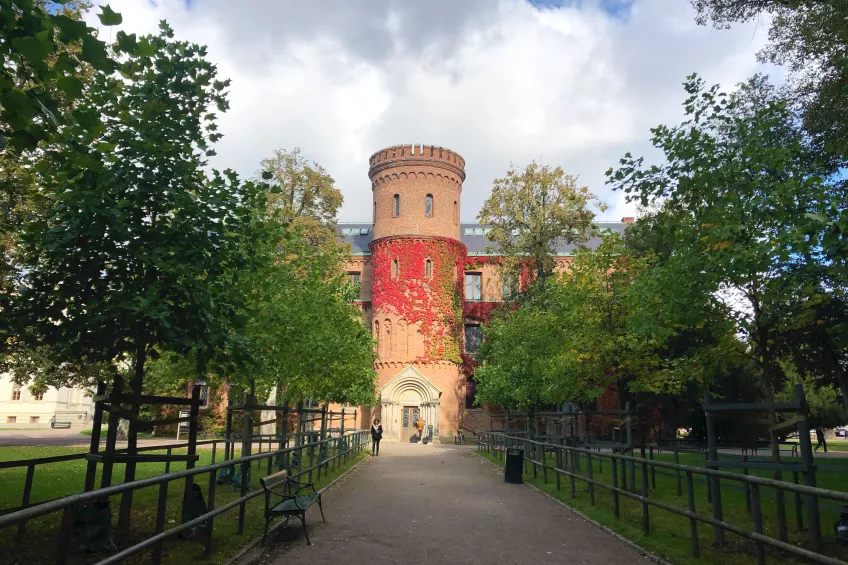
column 502, row 82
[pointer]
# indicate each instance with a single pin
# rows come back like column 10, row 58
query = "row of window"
column 429, row 207
column 473, row 337
column 473, row 281
column 16, row 394
column 14, row 419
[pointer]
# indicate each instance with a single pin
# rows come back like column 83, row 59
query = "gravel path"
column 439, row 504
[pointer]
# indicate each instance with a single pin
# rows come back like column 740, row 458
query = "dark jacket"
column 377, row 434
column 819, row 434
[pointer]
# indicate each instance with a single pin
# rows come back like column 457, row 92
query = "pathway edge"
column 253, row 543
column 633, row 545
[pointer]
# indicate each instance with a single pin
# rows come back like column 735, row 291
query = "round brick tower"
column 417, row 268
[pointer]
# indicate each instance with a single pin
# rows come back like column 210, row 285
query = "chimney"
column 628, row 220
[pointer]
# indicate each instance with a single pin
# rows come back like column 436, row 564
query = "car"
column 841, row 432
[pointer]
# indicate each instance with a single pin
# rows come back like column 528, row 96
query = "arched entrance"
column 403, row 399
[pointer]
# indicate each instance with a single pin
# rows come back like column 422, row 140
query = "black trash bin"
column 514, row 466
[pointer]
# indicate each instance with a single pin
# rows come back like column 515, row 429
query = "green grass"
column 669, row 533
column 60, row 479
column 140, row 435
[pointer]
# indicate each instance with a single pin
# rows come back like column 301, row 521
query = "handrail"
column 500, row 442
column 66, row 504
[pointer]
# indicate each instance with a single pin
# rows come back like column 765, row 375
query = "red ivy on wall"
column 435, row 301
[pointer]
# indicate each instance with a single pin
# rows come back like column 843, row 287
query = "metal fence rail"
column 344, row 448
column 567, row 461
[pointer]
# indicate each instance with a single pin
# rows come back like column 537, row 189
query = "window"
column 428, row 206
column 455, row 212
column 473, row 286
column 34, row 419
column 16, row 392
column 508, row 286
column 428, row 268
column 38, row 396
column 473, row 336
column 397, row 204
column 395, row 269
column 354, row 277
column 11, row 419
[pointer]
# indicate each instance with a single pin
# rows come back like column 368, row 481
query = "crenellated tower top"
column 432, row 155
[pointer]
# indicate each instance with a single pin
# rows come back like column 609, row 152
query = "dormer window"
column 428, row 206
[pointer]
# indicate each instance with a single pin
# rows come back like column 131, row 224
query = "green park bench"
column 291, row 501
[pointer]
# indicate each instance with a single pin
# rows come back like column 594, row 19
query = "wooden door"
column 409, row 416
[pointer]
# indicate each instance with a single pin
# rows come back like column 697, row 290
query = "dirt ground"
column 439, row 504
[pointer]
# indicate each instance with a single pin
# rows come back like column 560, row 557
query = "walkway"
column 440, row 504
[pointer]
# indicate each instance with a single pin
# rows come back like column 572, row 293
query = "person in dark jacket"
column 376, row 436
column 820, row 438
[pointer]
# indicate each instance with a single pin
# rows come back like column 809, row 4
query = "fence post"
column 615, row 485
column 646, row 525
column 94, row 446
column 207, row 550
column 812, row 502
column 65, row 535
column 714, row 482
column 677, row 462
column 160, row 520
column 693, row 523
column 799, row 516
column 758, row 522
column 653, row 468
column 192, row 446
column 26, row 497
column 589, row 484
column 747, row 486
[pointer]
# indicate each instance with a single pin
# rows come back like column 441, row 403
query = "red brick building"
column 427, row 282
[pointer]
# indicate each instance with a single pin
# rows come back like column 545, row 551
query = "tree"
column 810, row 37
column 745, row 181
column 135, row 253
column 534, row 210
column 44, row 48
column 304, row 195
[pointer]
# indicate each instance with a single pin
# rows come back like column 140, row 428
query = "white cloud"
column 498, row 82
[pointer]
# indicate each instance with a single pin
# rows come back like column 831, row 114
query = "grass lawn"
column 38, row 545
column 669, row 535
column 141, row 435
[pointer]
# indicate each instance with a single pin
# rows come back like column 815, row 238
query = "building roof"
column 359, row 235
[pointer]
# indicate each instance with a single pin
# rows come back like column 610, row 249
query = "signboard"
column 183, row 425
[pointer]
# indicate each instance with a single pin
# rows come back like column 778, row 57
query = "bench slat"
column 294, row 505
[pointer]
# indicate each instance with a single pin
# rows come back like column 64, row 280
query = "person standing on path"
column 821, row 440
column 420, row 426
column 376, row 436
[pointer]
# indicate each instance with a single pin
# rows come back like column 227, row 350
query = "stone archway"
column 409, row 388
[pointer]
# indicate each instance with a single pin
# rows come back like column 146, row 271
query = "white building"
column 19, row 407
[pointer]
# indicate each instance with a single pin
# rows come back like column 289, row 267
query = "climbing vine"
column 434, row 302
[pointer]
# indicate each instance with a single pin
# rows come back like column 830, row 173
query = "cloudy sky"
column 574, row 84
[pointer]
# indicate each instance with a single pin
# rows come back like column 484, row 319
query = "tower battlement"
column 399, row 155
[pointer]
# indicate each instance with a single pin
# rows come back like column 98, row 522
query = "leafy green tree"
column 135, row 253
column 822, row 398
column 44, row 48
column 810, row 38
column 307, row 338
column 745, row 179
column 532, row 211
column 304, row 195
column 747, row 182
